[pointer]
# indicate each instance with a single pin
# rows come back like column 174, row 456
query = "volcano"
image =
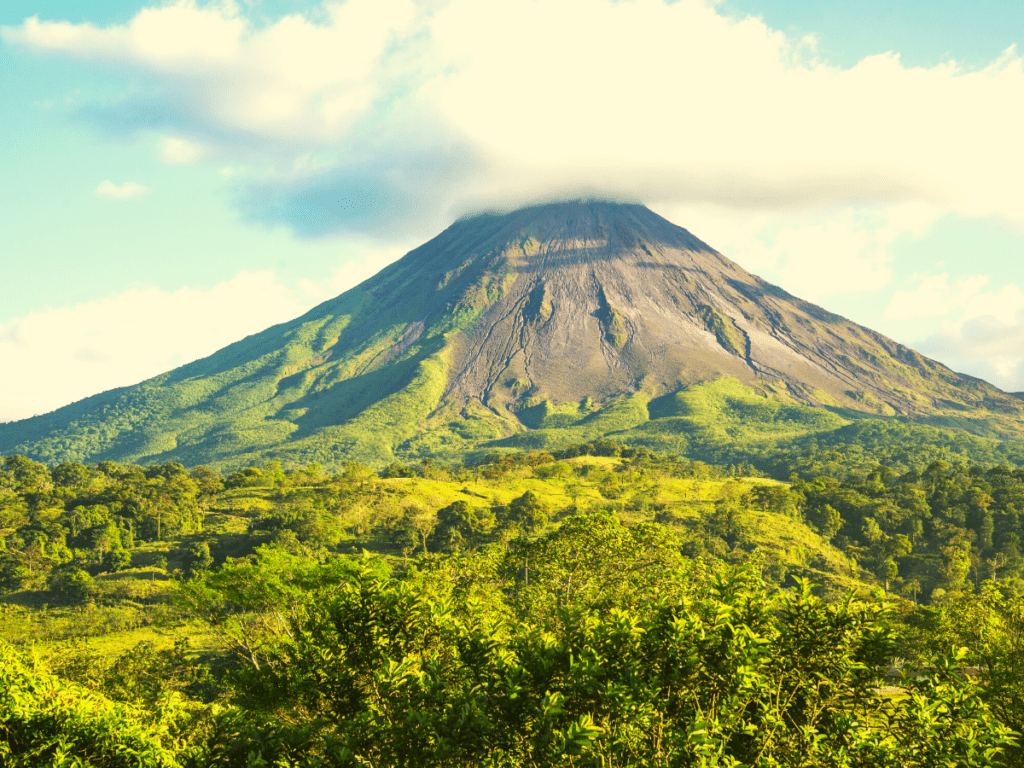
column 551, row 317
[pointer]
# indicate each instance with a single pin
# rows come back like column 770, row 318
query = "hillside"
column 561, row 322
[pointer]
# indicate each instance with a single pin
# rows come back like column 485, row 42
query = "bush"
column 12, row 573
column 46, row 721
column 71, row 584
column 730, row 677
column 116, row 559
column 197, row 558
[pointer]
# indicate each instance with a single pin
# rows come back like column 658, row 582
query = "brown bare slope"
column 567, row 305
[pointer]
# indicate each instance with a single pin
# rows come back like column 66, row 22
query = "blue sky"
column 182, row 174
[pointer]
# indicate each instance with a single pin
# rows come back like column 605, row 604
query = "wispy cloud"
column 935, row 297
column 121, row 191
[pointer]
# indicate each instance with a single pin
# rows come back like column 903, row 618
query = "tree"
column 855, row 554
column 246, row 478
column 71, row 584
column 27, row 477
column 255, row 604
column 159, row 564
column 956, row 564
column 414, row 527
column 777, row 499
column 72, row 475
column 591, row 562
column 985, row 530
column 47, row 721
column 995, row 563
column 887, row 572
column 359, row 520
column 359, row 477
column 989, row 628
column 12, row 572
column 527, row 512
column 116, row 559
column 726, row 675
column 610, row 486
column 727, row 521
column 872, row 531
column 197, row 559
column 573, row 489
column 458, row 525
column 102, row 538
column 830, row 522
column 911, row 587
column 209, row 482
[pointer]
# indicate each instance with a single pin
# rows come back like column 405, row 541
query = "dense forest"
column 593, row 605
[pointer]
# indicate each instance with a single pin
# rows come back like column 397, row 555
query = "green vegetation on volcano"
column 720, row 422
column 725, row 422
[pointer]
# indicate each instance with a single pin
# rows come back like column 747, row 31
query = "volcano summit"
column 589, row 316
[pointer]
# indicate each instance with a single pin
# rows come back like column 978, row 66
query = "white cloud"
column 293, row 79
column 672, row 102
column 973, row 330
column 177, row 151
column 985, row 345
column 964, row 301
column 811, row 254
column 934, row 297
column 121, row 191
column 65, row 354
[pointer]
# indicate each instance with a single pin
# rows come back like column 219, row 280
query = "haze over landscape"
column 190, row 173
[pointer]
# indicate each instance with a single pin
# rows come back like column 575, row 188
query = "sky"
column 179, row 175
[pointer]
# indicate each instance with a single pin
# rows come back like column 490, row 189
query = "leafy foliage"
column 393, row 673
column 598, row 604
column 45, row 720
